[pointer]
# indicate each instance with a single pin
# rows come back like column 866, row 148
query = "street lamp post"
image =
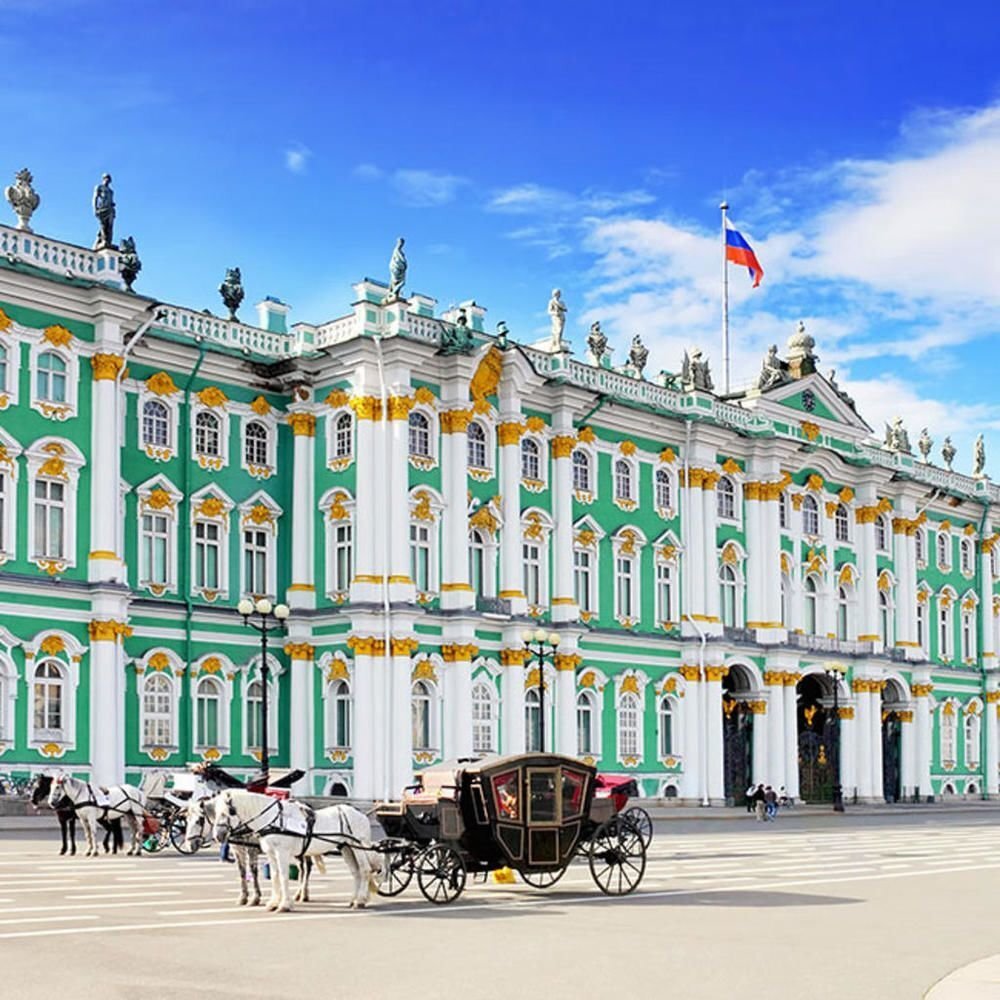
column 268, row 619
column 539, row 642
column 836, row 672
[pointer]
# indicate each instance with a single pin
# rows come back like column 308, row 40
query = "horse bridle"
column 223, row 829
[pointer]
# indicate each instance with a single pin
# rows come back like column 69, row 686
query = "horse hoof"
column 286, row 908
column 63, row 851
column 241, row 902
column 360, row 905
column 255, row 902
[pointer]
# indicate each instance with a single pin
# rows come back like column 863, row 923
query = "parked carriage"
column 533, row 813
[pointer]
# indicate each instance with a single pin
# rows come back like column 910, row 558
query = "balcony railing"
column 824, row 644
column 63, row 259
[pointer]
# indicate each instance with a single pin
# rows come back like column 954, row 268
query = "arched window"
column 343, row 437
column 947, row 718
column 208, row 711
column 842, row 613
column 256, row 443
column 968, row 634
column 581, row 471
column 971, row 738
column 884, row 618
column 48, row 694
column 945, row 641
column 810, row 515
column 625, row 587
column 477, row 562
column 728, row 584
column 943, row 548
column 51, row 378
column 629, row 732
column 255, row 702
column 965, row 555
column 583, row 578
column 207, row 439
column 531, row 462
column 881, row 533
column 420, row 556
column 339, row 707
column 922, row 640
column 663, row 491
column 586, row 746
column 810, row 605
column 421, row 704
column 476, row 438
column 666, row 726
column 783, row 510
column 532, row 721
column 156, row 551
column 343, row 556
column 531, row 556
column 483, row 719
column 420, row 435
column 841, row 524
column 155, row 424
column 725, row 499
column 157, row 711
column 623, row 480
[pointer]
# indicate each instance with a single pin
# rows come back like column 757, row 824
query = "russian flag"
column 740, row 252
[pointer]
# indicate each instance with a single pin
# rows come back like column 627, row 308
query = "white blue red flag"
column 740, row 252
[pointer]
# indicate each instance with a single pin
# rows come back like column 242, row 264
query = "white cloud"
column 368, row 172
column 296, row 159
column 415, row 188
column 522, row 199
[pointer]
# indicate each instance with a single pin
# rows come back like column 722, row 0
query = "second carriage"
column 532, row 813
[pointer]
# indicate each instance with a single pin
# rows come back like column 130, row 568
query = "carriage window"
column 506, row 795
column 542, row 802
column 573, row 785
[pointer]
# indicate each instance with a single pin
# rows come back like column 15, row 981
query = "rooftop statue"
column 772, row 371
column 557, row 314
column 801, row 357
column 104, row 210
column 694, row 371
column 502, row 334
column 840, row 392
column 948, row 453
column 231, row 291
column 597, row 342
column 129, row 264
column 397, row 269
column 637, row 356
column 457, row 339
column 925, row 443
column 22, row 198
column 896, row 438
column 979, row 458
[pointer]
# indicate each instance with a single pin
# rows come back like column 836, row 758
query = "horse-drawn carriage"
column 533, row 813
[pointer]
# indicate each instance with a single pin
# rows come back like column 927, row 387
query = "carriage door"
column 737, row 744
column 890, row 755
column 543, row 815
column 815, row 740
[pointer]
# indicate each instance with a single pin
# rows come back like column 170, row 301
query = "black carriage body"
column 529, row 812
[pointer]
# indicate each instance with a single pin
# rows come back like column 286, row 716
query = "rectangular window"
column 532, row 558
column 255, row 562
column 922, row 626
column 206, row 555
column 582, row 578
column 208, row 721
column 342, row 558
column 625, row 587
column 584, row 731
column 50, row 517
column 48, row 708
column 155, row 542
column 420, row 557
column 665, row 591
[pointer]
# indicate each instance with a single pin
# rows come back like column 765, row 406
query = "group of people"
column 763, row 801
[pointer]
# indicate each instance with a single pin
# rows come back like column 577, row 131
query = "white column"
column 692, row 748
column 711, row 601
column 399, row 667
column 564, row 608
column 301, row 724
column 106, row 668
column 791, row 736
column 302, row 590
column 922, row 714
column 876, row 741
column 757, row 560
column 367, row 736
column 848, row 751
column 509, row 434
column 904, row 566
column 992, row 750
column 456, row 590
column 458, row 698
column 566, row 666
column 396, row 561
column 693, row 557
column 908, row 754
column 862, row 692
column 867, row 570
column 105, row 561
column 512, row 698
column 714, row 739
column 761, row 738
column 366, row 587
column 984, row 612
column 775, row 725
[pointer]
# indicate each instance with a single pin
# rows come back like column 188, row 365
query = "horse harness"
column 67, row 803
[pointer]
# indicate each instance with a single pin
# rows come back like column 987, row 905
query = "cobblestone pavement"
column 831, row 907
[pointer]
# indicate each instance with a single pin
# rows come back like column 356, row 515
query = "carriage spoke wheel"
column 639, row 820
column 543, row 880
column 177, row 831
column 397, row 870
column 440, row 874
column 617, row 857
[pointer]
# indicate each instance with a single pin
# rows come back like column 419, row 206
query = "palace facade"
column 734, row 582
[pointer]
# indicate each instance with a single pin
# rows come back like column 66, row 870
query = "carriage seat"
column 434, row 786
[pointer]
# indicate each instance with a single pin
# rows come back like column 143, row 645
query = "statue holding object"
column 104, row 210
column 397, row 269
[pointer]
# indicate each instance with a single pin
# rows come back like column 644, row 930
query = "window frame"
column 473, row 443
column 52, row 409
column 727, row 499
column 810, row 510
column 626, row 703
column 427, row 696
column 207, row 460
column 490, row 724
column 592, row 702
column 168, row 719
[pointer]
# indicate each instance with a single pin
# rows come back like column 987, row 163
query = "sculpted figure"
column 771, row 372
column 695, row 373
column 231, row 291
column 638, row 355
column 104, row 210
column 979, row 457
column 597, row 342
column 948, row 452
column 925, row 443
column 457, row 339
column 557, row 314
column 397, row 269
column 22, row 198
column 896, row 438
column 129, row 264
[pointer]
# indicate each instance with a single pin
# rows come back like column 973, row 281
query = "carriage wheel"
column 440, row 874
column 397, row 870
column 177, row 832
column 542, row 880
column 617, row 857
column 639, row 819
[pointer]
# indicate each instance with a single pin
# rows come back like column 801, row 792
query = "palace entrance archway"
column 893, row 705
column 815, row 734
column 737, row 734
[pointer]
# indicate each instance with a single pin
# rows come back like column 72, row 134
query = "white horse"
column 199, row 820
column 292, row 830
column 92, row 803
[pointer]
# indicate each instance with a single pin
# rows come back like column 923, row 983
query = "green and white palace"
column 420, row 491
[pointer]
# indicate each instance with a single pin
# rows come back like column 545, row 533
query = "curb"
column 976, row 981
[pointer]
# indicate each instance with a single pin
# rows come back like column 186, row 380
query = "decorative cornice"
column 300, row 651
column 513, row 657
column 510, row 432
column 302, row 424
column 455, row 421
column 106, row 366
column 563, row 445
column 452, row 652
column 367, row 407
column 108, row 630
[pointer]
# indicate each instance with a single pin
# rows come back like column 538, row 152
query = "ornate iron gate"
column 737, row 733
column 815, row 758
column 890, row 756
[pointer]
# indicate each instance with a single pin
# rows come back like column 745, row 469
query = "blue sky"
column 520, row 147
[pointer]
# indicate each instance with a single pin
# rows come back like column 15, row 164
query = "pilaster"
column 513, row 657
column 712, row 693
column 509, row 432
column 456, row 589
column 302, row 590
column 366, row 587
column 395, row 508
column 107, row 629
column 921, row 688
column 458, row 650
column 567, row 662
column 990, row 714
column 775, row 726
column 302, row 654
column 694, row 741
column 564, row 607
column 790, row 680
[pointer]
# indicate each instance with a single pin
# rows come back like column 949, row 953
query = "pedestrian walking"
column 770, row 803
column 750, row 792
column 758, row 802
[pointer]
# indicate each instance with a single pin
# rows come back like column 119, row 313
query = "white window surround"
column 212, row 506
column 627, row 543
column 483, row 448
column 270, row 424
column 56, row 460
column 588, row 495
column 158, row 496
column 431, row 458
column 260, row 513
column 251, row 675
column 485, row 715
column 948, row 712
column 171, row 402
column 338, row 729
column 220, row 668
column 10, row 386
column 535, row 483
column 211, row 462
column 967, row 556
column 625, row 484
column 944, row 624
column 334, row 669
column 8, row 686
column 587, row 537
column 883, row 533
column 942, row 549
column 674, row 704
column 340, row 439
column 668, row 511
column 482, row 540
column 811, row 522
column 592, row 700
column 68, row 660
column 784, row 512
column 667, row 612
column 920, row 547
column 972, row 733
column 337, row 506
column 426, row 506
column 419, row 690
column 68, row 408
column 147, row 686
column 842, row 524
column 968, row 628
column 630, row 684
column 9, row 469
column 723, row 497
column 536, row 529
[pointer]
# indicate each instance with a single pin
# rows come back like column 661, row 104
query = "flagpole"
column 725, row 303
